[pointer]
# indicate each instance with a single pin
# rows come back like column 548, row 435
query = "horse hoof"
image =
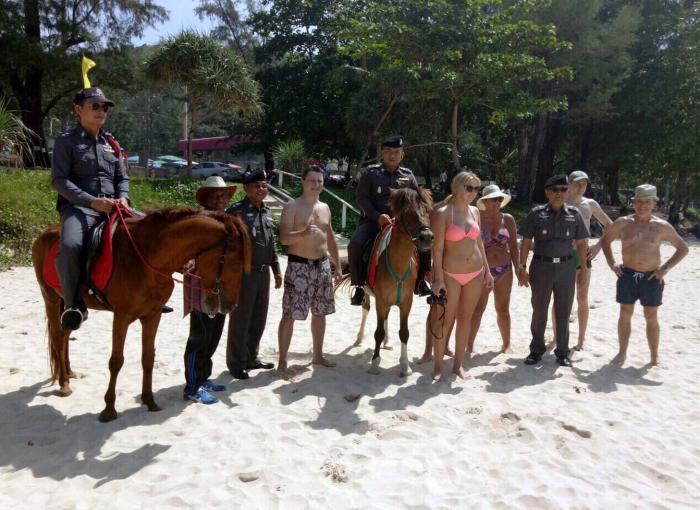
column 152, row 407
column 108, row 415
column 373, row 371
column 406, row 373
column 358, row 342
column 388, row 347
column 72, row 375
column 64, row 391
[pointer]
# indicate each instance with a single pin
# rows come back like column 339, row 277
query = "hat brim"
column 645, row 198
column 204, row 191
column 495, row 194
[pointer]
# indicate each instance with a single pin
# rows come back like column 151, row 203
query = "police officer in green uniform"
column 247, row 322
column 553, row 226
column 373, row 198
column 90, row 177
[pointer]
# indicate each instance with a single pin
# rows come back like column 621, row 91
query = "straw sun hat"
column 492, row 191
column 213, row 183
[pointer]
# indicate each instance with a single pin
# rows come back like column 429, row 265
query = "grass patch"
column 28, row 205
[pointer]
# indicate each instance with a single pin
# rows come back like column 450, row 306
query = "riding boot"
column 422, row 287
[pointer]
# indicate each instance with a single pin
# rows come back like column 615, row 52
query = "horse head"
column 221, row 264
column 411, row 209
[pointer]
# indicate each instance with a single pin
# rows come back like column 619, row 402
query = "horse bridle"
column 216, row 290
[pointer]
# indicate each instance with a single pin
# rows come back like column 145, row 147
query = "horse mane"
column 233, row 224
column 410, row 198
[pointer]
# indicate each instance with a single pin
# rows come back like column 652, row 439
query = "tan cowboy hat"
column 213, row 183
column 492, row 191
column 644, row 191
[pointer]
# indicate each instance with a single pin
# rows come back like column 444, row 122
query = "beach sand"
column 593, row 436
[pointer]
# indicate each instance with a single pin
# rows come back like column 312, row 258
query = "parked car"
column 209, row 168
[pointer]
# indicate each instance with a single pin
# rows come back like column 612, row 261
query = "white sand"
column 595, row 436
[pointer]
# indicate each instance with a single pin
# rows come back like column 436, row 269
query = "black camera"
column 437, row 299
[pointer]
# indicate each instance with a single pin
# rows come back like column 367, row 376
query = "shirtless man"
column 589, row 208
column 641, row 274
column 305, row 227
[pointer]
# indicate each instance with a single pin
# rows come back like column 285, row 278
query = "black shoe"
column 166, row 309
column 564, row 361
column 533, row 359
column 422, row 288
column 72, row 318
column 240, row 373
column 260, row 364
column 358, row 295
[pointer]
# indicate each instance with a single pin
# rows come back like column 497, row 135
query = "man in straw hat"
column 641, row 274
column 589, row 208
column 205, row 328
column 89, row 175
column 553, row 227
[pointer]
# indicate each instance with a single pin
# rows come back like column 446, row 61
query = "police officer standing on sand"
column 89, row 174
column 373, row 198
column 247, row 322
column 553, row 226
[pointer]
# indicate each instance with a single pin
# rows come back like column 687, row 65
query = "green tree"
column 15, row 137
column 42, row 41
column 215, row 79
column 290, row 156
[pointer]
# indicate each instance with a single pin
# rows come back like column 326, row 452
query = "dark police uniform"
column 247, row 321
column 372, row 196
column 83, row 168
column 552, row 270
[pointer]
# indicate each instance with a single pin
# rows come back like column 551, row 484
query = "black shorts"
column 634, row 285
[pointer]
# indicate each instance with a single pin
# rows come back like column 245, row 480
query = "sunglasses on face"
column 472, row 189
column 100, row 106
column 496, row 199
column 559, row 189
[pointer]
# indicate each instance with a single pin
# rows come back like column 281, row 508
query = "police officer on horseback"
column 89, row 174
column 373, row 198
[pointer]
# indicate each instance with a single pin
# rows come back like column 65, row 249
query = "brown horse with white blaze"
column 141, row 283
column 397, row 268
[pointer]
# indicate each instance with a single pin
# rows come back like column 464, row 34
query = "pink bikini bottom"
column 463, row 278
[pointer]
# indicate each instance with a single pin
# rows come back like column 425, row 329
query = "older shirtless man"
column 305, row 226
column 641, row 274
column 589, row 208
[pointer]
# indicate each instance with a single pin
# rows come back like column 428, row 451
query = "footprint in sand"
column 335, row 471
column 249, row 477
column 678, row 326
column 511, row 417
column 583, row 433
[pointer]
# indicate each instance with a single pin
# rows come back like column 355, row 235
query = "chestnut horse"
column 141, row 283
column 397, row 268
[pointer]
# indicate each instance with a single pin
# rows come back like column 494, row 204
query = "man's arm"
column 121, row 179
column 60, row 170
column 604, row 220
column 289, row 237
column 362, row 196
column 668, row 233
column 523, row 276
column 609, row 236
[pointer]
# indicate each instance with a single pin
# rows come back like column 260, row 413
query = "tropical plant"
column 15, row 137
column 289, row 156
column 216, row 80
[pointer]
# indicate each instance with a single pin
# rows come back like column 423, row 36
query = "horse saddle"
column 373, row 252
column 98, row 258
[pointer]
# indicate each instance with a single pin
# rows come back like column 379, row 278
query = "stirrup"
column 422, row 288
column 72, row 318
column 358, row 295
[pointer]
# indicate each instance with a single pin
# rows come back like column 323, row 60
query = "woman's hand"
column 488, row 279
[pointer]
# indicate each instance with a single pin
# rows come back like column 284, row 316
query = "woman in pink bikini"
column 498, row 232
column 460, row 268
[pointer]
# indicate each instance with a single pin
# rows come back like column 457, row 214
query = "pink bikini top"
column 454, row 234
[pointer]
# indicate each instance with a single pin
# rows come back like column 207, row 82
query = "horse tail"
column 344, row 283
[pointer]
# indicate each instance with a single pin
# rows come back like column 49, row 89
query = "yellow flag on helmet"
column 87, row 65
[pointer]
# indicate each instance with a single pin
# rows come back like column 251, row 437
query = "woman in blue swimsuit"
column 498, row 232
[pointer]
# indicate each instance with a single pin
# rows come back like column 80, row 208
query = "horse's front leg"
column 120, row 325
column 403, row 336
column 386, row 345
column 365, row 313
column 149, row 328
column 58, row 347
column 379, row 334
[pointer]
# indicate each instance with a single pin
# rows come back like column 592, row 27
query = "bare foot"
column 459, row 372
column 505, row 349
column 449, row 353
column 424, row 359
column 282, row 366
column 619, row 359
column 579, row 347
column 437, row 376
column 654, row 362
column 323, row 361
column 437, row 372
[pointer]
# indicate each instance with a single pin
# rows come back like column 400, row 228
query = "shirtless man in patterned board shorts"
column 305, row 227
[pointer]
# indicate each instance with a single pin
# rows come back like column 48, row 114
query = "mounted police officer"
column 247, row 322
column 554, row 227
column 89, row 174
column 373, row 198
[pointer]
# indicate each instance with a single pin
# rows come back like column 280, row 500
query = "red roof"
column 216, row 143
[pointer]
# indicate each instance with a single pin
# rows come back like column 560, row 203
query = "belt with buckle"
column 104, row 195
column 304, row 260
column 553, row 260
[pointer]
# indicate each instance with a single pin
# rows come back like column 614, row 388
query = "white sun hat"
column 492, row 191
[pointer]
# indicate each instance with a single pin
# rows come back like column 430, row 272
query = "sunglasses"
column 100, row 106
column 496, row 199
column 559, row 189
column 472, row 189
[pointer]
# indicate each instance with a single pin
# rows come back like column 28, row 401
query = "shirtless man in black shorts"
column 641, row 274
